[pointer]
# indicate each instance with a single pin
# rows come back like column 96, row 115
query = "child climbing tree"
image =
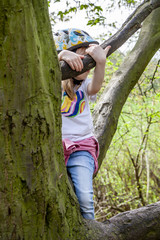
column 36, row 200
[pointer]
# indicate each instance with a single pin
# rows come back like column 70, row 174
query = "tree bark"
column 141, row 224
column 131, row 25
column 35, row 199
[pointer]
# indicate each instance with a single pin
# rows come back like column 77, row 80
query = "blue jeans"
column 80, row 167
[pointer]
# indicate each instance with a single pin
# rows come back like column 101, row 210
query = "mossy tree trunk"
column 36, row 200
column 34, row 196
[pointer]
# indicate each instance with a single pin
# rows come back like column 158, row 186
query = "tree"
column 36, row 199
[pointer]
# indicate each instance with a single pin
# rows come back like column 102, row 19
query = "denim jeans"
column 80, row 167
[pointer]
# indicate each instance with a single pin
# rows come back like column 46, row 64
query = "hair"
column 69, row 87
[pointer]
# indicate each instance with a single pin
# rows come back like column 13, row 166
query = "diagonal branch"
column 106, row 112
column 130, row 26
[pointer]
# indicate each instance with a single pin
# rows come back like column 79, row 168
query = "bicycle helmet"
column 71, row 39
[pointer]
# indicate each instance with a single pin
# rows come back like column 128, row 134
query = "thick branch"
column 141, row 224
column 109, row 107
column 131, row 25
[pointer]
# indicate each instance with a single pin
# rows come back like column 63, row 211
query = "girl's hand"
column 74, row 60
column 98, row 53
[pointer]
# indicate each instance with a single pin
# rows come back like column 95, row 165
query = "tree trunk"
column 36, row 200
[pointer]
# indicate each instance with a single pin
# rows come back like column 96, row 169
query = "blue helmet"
column 72, row 38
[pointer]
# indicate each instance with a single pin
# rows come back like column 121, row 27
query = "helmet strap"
column 77, row 82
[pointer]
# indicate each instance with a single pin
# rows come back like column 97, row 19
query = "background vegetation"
column 129, row 176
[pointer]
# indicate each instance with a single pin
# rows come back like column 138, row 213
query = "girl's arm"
column 99, row 55
column 74, row 60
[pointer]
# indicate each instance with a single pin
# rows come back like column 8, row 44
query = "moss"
column 34, row 199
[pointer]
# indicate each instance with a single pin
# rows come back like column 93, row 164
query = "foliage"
column 96, row 11
column 129, row 177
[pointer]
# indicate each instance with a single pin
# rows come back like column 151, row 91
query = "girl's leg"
column 80, row 167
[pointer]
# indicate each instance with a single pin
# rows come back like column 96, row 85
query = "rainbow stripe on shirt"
column 71, row 108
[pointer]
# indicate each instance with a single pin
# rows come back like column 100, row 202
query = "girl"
column 80, row 145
